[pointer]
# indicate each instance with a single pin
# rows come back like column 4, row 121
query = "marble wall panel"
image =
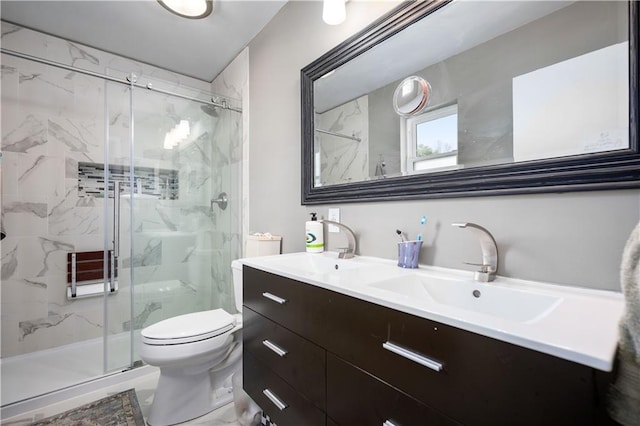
column 22, row 218
column 9, row 259
column 344, row 160
column 40, row 256
column 10, row 173
column 73, row 215
column 24, row 132
column 40, row 176
column 23, row 299
column 79, row 139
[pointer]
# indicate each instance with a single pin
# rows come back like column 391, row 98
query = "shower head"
column 209, row 110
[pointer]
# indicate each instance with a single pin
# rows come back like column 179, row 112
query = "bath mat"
column 121, row 409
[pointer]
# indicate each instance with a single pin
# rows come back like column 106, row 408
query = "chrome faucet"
column 349, row 251
column 489, row 265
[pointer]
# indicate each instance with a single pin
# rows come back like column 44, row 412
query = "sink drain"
column 476, row 293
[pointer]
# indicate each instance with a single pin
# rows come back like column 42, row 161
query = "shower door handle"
column 115, row 253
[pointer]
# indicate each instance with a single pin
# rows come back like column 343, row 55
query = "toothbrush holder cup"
column 408, row 253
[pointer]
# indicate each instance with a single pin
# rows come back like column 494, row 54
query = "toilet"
column 197, row 354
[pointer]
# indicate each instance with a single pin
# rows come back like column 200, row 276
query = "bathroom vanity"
column 331, row 346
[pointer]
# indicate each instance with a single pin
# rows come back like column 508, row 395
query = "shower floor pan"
column 26, row 376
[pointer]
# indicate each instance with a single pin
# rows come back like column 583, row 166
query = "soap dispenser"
column 315, row 235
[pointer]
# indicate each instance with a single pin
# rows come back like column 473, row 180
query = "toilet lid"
column 189, row 328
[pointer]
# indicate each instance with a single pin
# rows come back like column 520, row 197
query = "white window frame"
column 408, row 144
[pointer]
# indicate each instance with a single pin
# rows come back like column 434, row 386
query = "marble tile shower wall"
column 344, row 160
column 53, row 119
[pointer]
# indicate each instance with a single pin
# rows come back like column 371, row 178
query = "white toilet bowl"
column 197, row 354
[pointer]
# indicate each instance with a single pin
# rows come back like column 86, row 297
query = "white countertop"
column 581, row 327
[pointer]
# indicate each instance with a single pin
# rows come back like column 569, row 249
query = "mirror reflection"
column 507, row 82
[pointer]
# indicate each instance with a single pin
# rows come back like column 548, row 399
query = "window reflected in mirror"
column 431, row 140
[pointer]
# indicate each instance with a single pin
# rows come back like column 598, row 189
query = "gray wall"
column 384, row 131
column 574, row 239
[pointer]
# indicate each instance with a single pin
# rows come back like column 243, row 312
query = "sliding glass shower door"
column 174, row 249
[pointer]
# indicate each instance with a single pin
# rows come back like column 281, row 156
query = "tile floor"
column 144, row 386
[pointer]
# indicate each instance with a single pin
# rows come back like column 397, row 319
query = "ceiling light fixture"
column 192, row 9
column 334, row 12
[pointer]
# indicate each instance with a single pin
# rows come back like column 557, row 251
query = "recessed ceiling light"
column 192, row 9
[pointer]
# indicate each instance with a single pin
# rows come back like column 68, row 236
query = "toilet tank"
column 236, row 269
column 257, row 245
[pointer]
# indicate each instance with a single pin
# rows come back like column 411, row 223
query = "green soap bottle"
column 315, row 235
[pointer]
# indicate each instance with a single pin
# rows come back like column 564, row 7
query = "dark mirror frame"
column 603, row 171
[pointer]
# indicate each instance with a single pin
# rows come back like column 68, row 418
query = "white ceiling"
column 145, row 31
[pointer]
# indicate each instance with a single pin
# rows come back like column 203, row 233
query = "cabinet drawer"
column 297, row 306
column 480, row 377
column 356, row 398
column 284, row 405
column 296, row 360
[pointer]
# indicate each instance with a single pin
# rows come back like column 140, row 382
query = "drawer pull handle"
column 413, row 356
column 388, row 423
column 274, row 398
column 275, row 298
column 275, row 348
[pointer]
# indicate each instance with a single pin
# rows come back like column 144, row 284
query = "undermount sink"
column 315, row 263
column 328, row 267
column 485, row 298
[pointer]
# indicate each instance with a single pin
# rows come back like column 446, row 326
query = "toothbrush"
column 423, row 220
column 399, row 232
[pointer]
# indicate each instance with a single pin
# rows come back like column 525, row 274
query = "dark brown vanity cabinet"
column 365, row 364
column 355, row 397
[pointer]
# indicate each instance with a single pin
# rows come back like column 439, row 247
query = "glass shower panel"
column 177, row 237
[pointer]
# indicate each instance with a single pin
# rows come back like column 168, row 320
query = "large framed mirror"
column 490, row 98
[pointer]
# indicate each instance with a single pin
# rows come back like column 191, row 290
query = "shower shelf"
column 149, row 182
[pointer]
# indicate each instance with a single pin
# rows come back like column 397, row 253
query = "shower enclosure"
column 109, row 182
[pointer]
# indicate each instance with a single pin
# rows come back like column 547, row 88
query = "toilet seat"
column 188, row 328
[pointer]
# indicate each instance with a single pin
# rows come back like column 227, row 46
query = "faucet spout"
column 350, row 251
column 489, row 265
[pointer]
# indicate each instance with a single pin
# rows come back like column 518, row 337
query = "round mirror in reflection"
column 411, row 96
